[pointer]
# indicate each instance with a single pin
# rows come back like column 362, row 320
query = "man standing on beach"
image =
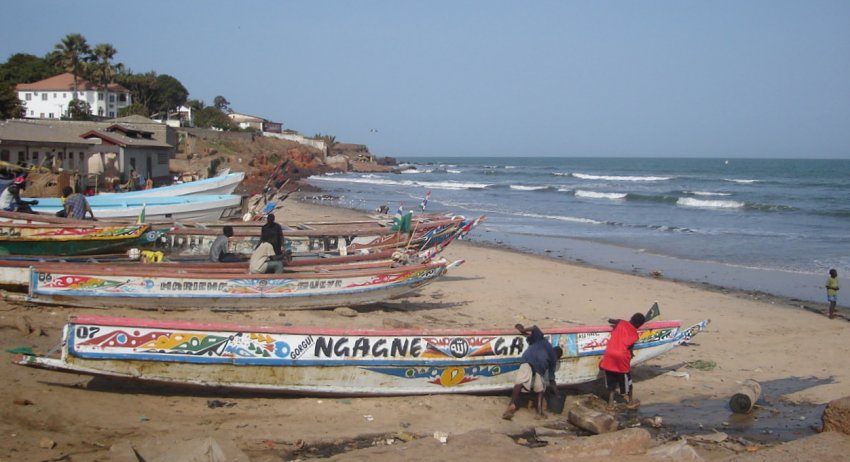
column 538, row 360
column 617, row 360
column 832, row 292
column 272, row 233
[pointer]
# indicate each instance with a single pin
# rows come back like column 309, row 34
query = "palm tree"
column 72, row 50
column 104, row 71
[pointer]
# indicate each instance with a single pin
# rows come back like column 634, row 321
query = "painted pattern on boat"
column 336, row 361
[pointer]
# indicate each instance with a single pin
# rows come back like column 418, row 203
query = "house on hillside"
column 102, row 154
column 245, row 121
column 121, row 150
column 29, row 144
column 49, row 98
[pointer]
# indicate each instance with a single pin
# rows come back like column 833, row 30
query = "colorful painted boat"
column 79, row 238
column 319, row 361
column 159, row 287
column 326, row 238
column 15, row 269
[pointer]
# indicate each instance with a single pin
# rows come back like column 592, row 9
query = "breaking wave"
column 585, row 176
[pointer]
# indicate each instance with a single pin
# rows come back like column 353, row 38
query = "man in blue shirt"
column 539, row 360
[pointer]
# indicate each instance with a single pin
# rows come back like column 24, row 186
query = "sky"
column 677, row 78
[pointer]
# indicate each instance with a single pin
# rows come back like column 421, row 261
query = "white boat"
column 222, row 184
column 157, row 209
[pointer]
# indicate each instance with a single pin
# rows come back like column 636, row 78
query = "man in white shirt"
column 264, row 260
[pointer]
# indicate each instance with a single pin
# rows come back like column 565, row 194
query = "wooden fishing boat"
column 335, row 361
column 199, row 208
column 77, row 238
column 15, row 269
column 217, row 185
column 161, row 287
column 322, row 238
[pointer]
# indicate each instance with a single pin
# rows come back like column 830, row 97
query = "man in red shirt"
column 617, row 360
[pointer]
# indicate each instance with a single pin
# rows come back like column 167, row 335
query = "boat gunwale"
column 305, row 330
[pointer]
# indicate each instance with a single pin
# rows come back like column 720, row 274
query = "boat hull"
column 140, row 288
column 59, row 240
column 332, row 361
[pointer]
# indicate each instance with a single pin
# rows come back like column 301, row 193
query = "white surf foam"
column 585, row 176
column 600, row 195
column 691, row 202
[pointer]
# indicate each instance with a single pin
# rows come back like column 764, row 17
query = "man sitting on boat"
column 10, row 199
column 264, row 260
column 220, row 246
column 75, row 205
column 538, row 361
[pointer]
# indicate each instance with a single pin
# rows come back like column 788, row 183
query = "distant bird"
column 373, row 130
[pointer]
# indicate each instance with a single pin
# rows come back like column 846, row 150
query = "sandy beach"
column 797, row 355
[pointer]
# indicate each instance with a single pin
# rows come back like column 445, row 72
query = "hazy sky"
column 476, row 78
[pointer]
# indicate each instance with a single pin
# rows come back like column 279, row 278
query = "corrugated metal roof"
column 12, row 131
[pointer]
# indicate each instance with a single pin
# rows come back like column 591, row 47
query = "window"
column 112, row 98
column 35, row 157
column 44, row 96
column 55, row 95
column 28, row 96
column 100, row 111
column 51, row 115
column 111, row 113
column 122, row 97
column 100, row 96
column 64, row 95
column 42, row 115
column 162, row 158
column 4, row 155
column 32, row 112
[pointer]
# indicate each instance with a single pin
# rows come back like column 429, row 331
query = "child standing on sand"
column 617, row 359
column 832, row 292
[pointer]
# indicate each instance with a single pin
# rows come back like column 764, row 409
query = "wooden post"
column 745, row 397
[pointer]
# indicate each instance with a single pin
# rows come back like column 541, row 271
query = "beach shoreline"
column 749, row 337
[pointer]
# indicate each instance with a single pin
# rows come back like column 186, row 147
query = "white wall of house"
column 54, row 104
column 318, row 144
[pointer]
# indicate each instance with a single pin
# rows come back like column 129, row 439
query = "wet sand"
column 751, row 336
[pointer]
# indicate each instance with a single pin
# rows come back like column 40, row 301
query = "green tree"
column 26, row 68
column 79, row 110
column 134, row 109
column 103, row 72
column 141, row 86
column 210, row 117
column 169, row 93
column 72, row 51
column 222, row 104
column 196, row 104
column 10, row 106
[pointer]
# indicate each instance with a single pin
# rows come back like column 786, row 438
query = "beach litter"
column 684, row 375
column 441, row 436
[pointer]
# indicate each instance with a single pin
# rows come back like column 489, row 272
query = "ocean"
column 764, row 225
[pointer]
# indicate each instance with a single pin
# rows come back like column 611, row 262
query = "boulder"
column 675, row 450
column 592, row 421
column 628, row 442
column 836, row 416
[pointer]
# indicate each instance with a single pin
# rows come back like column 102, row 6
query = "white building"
column 49, row 98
